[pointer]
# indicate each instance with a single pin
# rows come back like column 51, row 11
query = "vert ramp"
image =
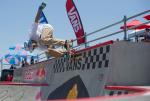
column 20, row 92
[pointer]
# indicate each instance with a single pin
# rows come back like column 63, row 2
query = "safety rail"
column 124, row 20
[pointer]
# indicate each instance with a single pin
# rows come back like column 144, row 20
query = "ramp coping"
column 23, row 84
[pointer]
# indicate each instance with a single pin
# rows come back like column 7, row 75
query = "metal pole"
column 1, row 60
column 125, row 28
column 85, row 39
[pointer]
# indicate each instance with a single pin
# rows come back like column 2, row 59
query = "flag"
column 75, row 20
column 43, row 18
column 16, row 47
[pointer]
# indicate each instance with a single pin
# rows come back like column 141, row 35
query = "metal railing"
column 124, row 20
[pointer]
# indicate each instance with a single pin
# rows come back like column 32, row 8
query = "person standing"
column 147, row 35
column 9, row 77
column 32, row 60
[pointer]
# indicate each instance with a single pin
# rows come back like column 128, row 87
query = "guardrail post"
column 125, row 28
column 1, row 63
column 85, row 40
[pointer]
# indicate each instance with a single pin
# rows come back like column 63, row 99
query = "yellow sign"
column 73, row 93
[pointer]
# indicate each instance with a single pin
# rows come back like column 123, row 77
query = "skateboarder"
column 42, row 34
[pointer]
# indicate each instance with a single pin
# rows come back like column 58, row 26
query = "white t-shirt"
column 36, row 31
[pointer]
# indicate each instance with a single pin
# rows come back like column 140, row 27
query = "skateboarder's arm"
column 42, row 6
column 38, row 15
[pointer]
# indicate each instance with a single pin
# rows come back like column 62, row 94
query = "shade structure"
column 16, row 47
column 12, row 59
column 14, row 56
column 135, row 23
column 20, row 51
column 147, row 17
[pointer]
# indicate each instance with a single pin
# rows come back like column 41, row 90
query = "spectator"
column 32, row 60
column 9, row 77
column 23, row 63
column 12, row 67
column 147, row 35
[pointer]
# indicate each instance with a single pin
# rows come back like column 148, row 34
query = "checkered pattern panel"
column 96, row 58
column 90, row 59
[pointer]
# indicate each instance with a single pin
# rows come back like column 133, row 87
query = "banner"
column 75, row 20
column 43, row 18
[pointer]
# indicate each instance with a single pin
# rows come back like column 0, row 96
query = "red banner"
column 75, row 21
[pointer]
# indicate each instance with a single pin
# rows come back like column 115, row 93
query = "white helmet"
column 45, row 30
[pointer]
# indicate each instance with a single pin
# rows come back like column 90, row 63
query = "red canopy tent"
column 147, row 17
column 135, row 23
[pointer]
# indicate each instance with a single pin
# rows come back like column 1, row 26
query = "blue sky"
column 17, row 16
